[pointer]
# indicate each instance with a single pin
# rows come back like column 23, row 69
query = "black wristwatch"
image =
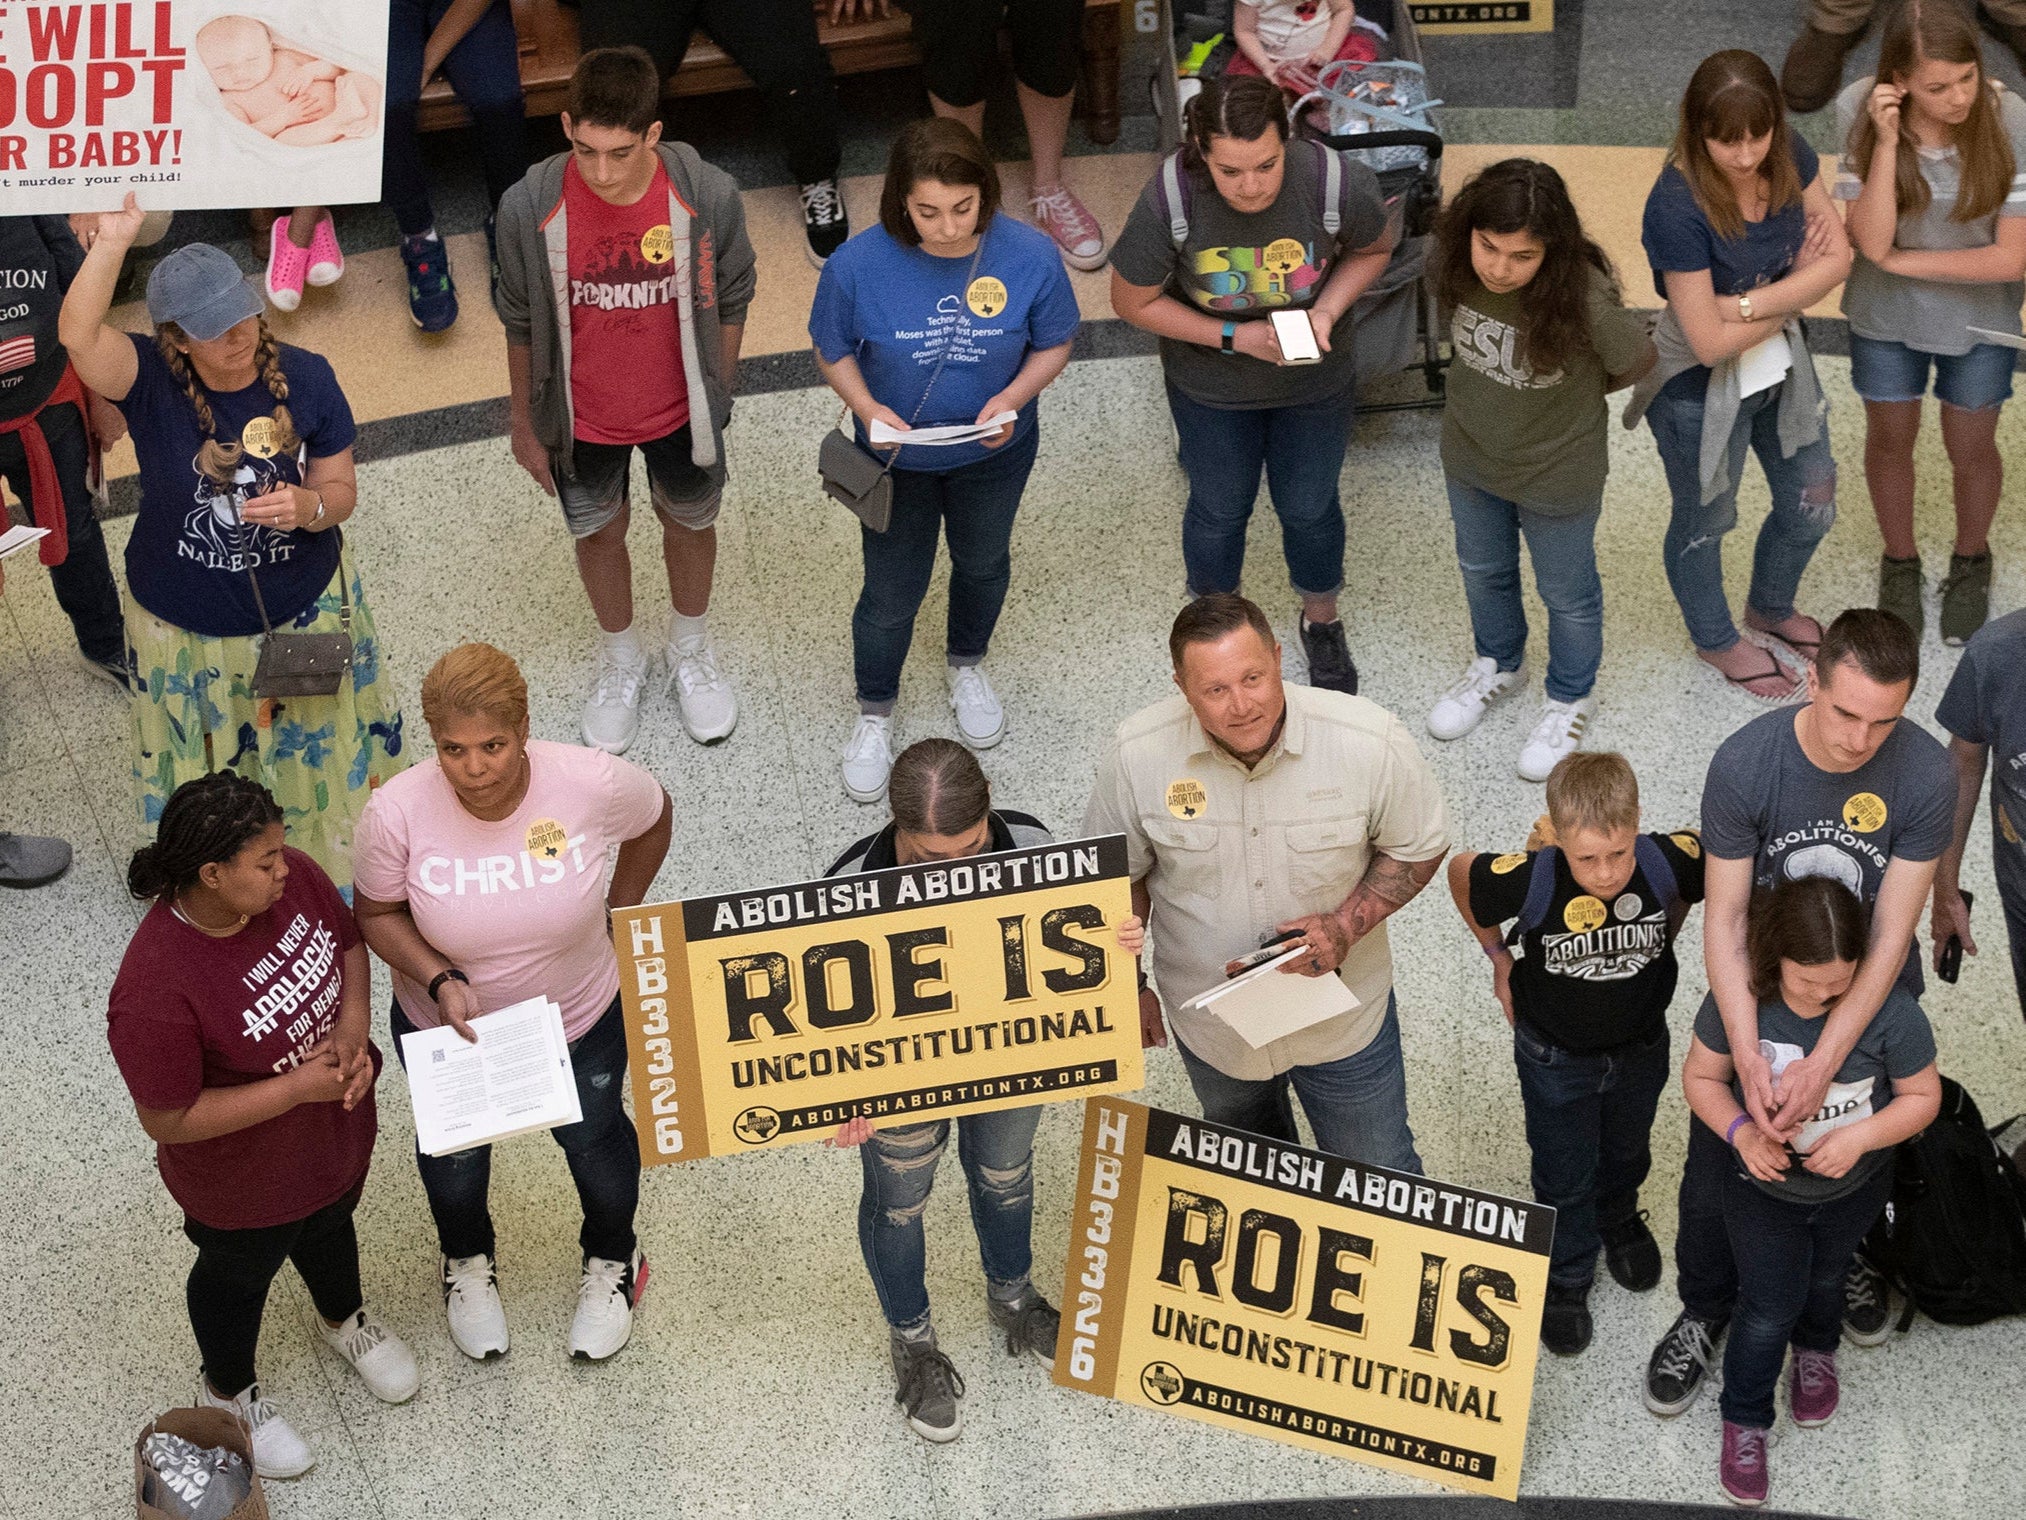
column 1230, row 332
column 447, row 974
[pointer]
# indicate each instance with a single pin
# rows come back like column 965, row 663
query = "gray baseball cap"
column 201, row 290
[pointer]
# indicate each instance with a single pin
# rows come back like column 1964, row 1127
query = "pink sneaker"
column 1812, row 1389
column 327, row 260
column 1742, row 1471
column 285, row 266
column 1076, row 232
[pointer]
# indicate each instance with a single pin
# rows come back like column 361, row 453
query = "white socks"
column 624, row 645
column 688, row 634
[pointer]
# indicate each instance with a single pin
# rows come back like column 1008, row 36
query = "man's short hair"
column 616, row 87
column 1209, row 618
column 1592, row 789
column 1884, row 648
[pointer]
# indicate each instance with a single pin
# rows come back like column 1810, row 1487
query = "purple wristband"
column 1731, row 1134
column 1493, row 951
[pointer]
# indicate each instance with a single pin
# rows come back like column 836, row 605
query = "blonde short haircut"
column 1593, row 790
column 475, row 680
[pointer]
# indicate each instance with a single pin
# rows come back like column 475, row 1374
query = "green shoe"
column 1966, row 596
column 1899, row 588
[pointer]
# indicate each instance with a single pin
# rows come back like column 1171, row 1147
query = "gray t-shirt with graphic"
column 1986, row 704
column 1932, row 316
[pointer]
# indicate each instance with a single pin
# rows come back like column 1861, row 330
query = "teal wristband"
column 1230, row 332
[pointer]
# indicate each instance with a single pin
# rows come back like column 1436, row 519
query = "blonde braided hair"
column 218, row 460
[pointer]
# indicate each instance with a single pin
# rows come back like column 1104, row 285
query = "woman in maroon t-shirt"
column 239, row 1022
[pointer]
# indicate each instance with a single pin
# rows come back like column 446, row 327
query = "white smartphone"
column 1292, row 330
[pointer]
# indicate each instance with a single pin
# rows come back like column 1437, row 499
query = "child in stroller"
column 1292, row 41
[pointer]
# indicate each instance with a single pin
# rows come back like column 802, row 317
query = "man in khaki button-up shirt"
column 1249, row 807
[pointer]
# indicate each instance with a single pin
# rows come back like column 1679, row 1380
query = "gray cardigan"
column 714, row 263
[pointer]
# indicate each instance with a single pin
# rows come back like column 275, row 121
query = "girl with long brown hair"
column 1937, row 209
column 1742, row 238
column 245, row 451
column 1539, row 338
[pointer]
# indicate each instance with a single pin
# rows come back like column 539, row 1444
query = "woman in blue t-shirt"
column 245, row 450
column 944, row 313
column 1742, row 239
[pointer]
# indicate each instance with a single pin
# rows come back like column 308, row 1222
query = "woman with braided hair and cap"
column 245, row 451
column 239, row 1021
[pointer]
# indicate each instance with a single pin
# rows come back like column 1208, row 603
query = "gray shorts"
column 682, row 492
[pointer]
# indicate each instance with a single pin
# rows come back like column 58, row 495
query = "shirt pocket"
column 1325, row 860
column 1186, row 857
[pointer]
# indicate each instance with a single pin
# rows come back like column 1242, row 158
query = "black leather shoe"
column 1565, row 1322
column 1632, row 1255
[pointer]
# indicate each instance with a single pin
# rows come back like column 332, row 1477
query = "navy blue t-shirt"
column 895, row 309
column 189, row 554
column 1678, row 239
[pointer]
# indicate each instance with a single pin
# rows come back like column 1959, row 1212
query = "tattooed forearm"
column 1388, row 886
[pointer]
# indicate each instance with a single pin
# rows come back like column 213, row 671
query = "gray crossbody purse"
column 301, row 664
column 857, row 478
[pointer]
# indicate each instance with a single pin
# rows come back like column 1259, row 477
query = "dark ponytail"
column 1244, row 107
column 1809, row 920
column 938, row 787
column 206, row 821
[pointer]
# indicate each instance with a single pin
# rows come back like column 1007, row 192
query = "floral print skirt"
column 321, row 757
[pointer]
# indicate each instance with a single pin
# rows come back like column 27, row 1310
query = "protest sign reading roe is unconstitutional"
column 757, row 1019
column 1363, row 1312
column 190, row 103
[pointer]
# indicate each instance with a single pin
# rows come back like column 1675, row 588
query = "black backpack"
column 1952, row 1238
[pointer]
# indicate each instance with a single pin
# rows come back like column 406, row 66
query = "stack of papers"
column 19, row 538
column 515, row 1080
column 1266, row 1004
column 884, row 436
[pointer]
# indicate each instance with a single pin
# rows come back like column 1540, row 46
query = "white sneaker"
column 612, row 711
column 981, row 719
column 471, row 1303
column 1461, row 708
column 278, row 1452
column 868, row 758
column 381, row 1358
column 1559, row 733
column 710, row 709
column 605, row 1300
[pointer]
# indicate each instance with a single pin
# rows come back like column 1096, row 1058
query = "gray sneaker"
column 1899, row 590
column 927, row 1389
column 1030, row 1326
column 1966, row 596
column 30, row 860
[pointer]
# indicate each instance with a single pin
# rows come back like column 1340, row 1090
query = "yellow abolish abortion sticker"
column 757, row 1019
column 1366, row 1313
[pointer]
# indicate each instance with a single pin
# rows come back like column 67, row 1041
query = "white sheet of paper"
column 2008, row 340
column 1764, row 365
column 15, row 539
column 516, row 1079
column 1266, row 1004
column 884, row 437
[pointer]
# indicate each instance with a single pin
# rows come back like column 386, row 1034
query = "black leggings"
column 228, row 1285
column 959, row 40
column 774, row 41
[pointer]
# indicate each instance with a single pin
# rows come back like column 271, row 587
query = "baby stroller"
column 1381, row 114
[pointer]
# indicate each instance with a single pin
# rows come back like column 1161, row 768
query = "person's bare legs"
column 302, row 224
column 691, row 555
column 971, row 116
column 1047, row 121
column 606, row 570
column 1890, row 428
column 1971, row 439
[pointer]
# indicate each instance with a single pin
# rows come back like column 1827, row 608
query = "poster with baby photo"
column 190, row 103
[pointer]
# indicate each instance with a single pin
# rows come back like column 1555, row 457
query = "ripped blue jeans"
column 997, row 1151
column 1803, row 489
column 602, row 1150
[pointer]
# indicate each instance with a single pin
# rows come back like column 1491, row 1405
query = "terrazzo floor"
column 756, row 1382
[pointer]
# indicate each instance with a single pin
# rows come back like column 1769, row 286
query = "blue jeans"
column 1791, row 1261
column 1887, row 372
column 1804, row 507
column 485, row 71
column 1357, row 1106
column 1705, row 1275
column 973, row 507
column 997, row 1152
column 83, row 583
column 602, row 1150
column 1589, row 1126
column 1564, row 550
column 1301, row 449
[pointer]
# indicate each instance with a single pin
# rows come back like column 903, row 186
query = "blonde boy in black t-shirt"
column 1595, row 914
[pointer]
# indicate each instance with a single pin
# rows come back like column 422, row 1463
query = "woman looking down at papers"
column 480, row 881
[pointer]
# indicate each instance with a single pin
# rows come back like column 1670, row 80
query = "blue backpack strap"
column 1540, row 894
column 1174, row 197
column 1659, row 872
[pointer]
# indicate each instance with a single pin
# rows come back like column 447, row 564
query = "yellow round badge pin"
column 2005, row 827
column 985, row 296
column 1583, row 914
column 657, row 244
column 1688, row 842
column 546, row 839
column 1507, row 863
column 1187, row 799
column 261, row 438
column 1864, row 812
column 1283, row 256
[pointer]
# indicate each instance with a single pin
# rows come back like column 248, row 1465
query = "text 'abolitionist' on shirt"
column 757, row 1019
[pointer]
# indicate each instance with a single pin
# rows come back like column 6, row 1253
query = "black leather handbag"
column 302, row 664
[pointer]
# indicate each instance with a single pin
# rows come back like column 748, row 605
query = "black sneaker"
column 1030, row 1327
column 824, row 223
column 1632, row 1255
column 927, row 1388
column 1680, row 1362
column 1329, row 657
column 432, row 296
column 1565, row 1322
column 1867, row 1304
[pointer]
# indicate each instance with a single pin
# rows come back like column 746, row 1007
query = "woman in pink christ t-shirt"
column 479, row 878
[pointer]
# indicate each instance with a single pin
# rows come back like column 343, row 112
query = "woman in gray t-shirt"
column 1939, row 225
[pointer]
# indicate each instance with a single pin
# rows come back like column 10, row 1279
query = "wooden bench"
column 548, row 38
